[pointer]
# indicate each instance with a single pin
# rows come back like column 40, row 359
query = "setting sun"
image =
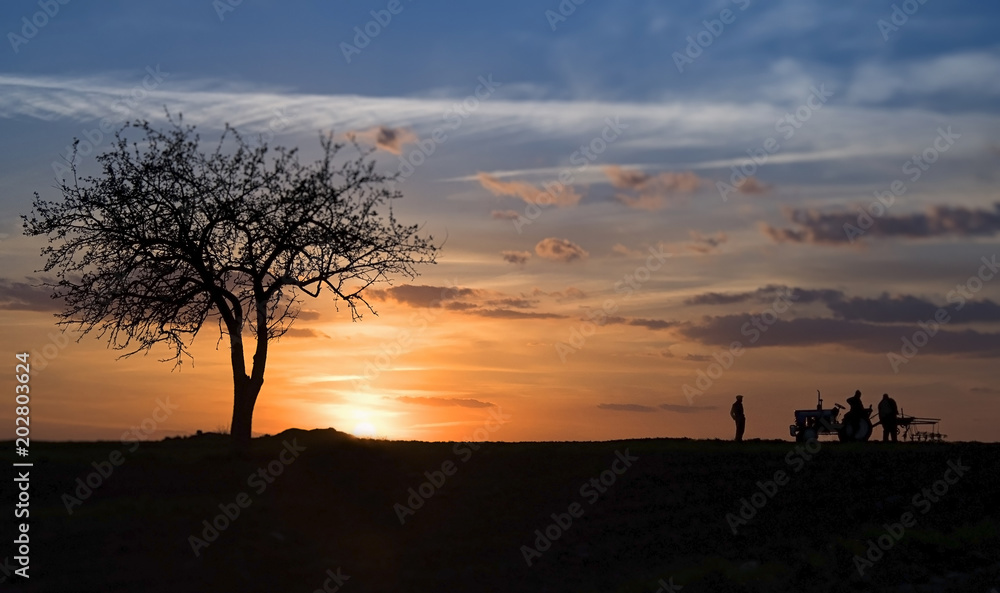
column 364, row 429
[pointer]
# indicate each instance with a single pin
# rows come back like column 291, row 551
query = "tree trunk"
column 247, row 387
column 244, row 398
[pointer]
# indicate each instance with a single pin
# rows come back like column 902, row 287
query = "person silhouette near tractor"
column 888, row 415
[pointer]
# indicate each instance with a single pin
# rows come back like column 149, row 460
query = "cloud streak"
column 505, row 215
column 626, row 408
column 560, row 250
column 421, row 295
column 705, row 244
column 885, row 308
column 843, row 228
column 386, row 138
column 560, row 195
column 516, row 257
column 294, row 332
column 652, row 324
column 512, row 314
column 22, row 296
column 651, row 192
column 443, row 402
column 860, row 336
column 684, row 409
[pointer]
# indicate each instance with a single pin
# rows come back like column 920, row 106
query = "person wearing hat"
column 738, row 417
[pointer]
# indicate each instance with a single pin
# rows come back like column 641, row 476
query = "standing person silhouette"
column 738, row 417
column 855, row 407
column 855, row 411
column 888, row 415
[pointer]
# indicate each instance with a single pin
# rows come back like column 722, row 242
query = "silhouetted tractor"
column 810, row 424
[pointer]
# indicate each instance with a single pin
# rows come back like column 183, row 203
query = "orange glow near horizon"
column 453, row 377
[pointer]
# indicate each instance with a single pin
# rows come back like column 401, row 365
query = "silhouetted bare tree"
column 169, row 237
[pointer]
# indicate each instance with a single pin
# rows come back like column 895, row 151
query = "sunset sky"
column 624, row 194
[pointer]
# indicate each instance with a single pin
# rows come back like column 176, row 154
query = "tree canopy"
column 169, row 237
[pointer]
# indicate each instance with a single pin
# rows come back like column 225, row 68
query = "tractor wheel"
column 864, row 430
column 808, row 434
column 858, row 431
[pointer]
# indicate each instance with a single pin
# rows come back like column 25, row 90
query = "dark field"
column 664, row 517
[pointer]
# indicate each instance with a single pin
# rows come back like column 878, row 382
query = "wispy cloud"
column 686, row 123
column 24, row 296
column 841, row 228
column 705, row 243
column 986, row 390
column 766, row 294
column 295, row 332
column 444, row 402
column 561, row 250
column 421, row 295
column 570, row 293
column 626, row 407
column 854, row 335
column 652, row 324
column 516, row 257
column 558, row 195
column 651, row 192
column 386, row 138
column 512, row 314
column 752, row 185
column 505, row 215
column 683, row 409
